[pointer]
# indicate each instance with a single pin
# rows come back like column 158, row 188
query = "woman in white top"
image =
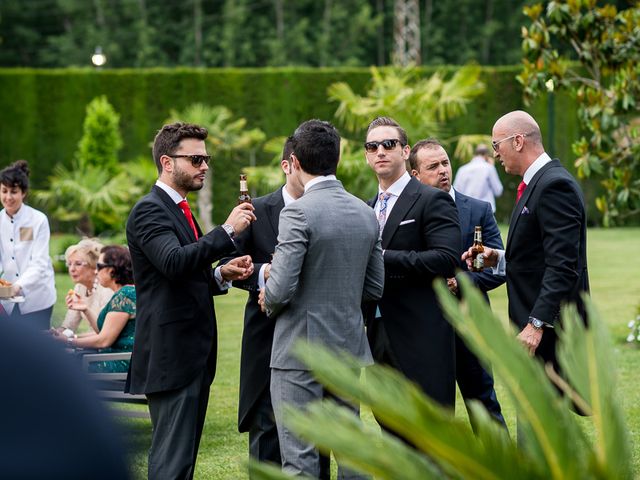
column 24, row 252
column 81, row 261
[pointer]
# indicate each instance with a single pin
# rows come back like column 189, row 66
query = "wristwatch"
column 229, row 229
column 536, row 323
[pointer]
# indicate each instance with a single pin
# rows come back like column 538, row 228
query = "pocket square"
column 404, row 222
column 525, row 211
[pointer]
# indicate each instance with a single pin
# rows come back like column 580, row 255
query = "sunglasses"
column 100, row 266
column 495, row 144
column 388, row 144
column 196, row 160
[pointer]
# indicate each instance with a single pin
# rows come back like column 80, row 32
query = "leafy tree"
column 422, row 105
column 101, row 139
column 97, row 191
column 554, row 445
column 229, row 138
column 593, row 52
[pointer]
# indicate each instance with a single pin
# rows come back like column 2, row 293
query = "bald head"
column 517, row 141
column 519, row 121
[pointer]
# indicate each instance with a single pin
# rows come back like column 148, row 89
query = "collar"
column 318, row 179
column 19, row 214
column 286, row 196
column 540, row 162
column 396, row 187
column 175, row 196
column 452, row 192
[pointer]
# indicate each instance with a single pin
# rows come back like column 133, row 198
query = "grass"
column 613, row 268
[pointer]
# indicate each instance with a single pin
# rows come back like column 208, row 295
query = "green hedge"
column 42, row 110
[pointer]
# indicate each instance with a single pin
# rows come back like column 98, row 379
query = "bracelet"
column 71, row 339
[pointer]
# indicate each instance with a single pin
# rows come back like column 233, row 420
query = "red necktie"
column 184, row 205
column 521, row 188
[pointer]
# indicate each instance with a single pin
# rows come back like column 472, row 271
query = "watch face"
column 537, row 323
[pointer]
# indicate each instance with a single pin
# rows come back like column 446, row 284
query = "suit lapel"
column 464, row 212
column 275, row 204
column 177, row 213
column 405, row 201
column 522, row 203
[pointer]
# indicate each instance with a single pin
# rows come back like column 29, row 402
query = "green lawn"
column 615, row 287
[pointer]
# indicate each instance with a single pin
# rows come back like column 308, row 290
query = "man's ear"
column 286, row 166
column 167, row 163
column 414, row 172
column 405, row 152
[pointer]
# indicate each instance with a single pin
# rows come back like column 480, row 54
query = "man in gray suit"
column 327, row 262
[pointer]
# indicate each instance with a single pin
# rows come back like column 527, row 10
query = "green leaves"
column 553, row 444
column 603, row 44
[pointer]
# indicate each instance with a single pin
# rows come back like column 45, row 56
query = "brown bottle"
column 477, row 251
column 244, row 196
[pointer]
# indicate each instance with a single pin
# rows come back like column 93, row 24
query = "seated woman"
column 116, row 321
column 81, row 261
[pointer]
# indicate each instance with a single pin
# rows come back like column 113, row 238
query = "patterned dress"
column 124, row 300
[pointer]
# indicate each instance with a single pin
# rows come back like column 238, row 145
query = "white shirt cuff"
column 261, row 282
column 501, row 267
column 222, row 285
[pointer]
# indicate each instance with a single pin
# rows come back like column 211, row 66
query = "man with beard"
column 174, row 354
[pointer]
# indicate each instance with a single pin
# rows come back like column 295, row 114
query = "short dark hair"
column 428, row 143
column 389, row 122
column 169, row 137
column 119, row 258
column 288, row 148
column 16, row 175
column 316, row 145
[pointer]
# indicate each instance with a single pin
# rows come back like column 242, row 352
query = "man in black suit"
column 430, row 164
column 174, row 353
column 546, row 256
column 420, row 241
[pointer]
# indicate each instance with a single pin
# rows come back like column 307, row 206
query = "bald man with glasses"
column 545, row 260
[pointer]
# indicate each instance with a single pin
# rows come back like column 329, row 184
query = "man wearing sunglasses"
column 545, row 261
column 420, row 241
column 174, row 354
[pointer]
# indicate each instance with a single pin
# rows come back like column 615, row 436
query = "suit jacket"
column 547, row 251
column 421, row 241
column 472, row 212
column 175, row 319
column 328, row 260
column 258, row 240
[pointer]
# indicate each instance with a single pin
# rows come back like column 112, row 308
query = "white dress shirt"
column 541, row 161
column 394, row 190
column 288, row 199
column 24, row 252
column 176, row 197
column 479, row 179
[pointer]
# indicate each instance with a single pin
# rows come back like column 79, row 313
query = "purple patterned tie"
column 382, row 214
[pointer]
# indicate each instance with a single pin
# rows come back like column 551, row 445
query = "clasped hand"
column 490, row 257
column 238, row 268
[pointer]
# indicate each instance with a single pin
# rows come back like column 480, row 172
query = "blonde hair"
column 89, row 248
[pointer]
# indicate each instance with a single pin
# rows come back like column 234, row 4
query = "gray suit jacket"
column 327, row 262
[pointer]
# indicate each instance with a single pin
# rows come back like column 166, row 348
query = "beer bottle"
column 477, row 251
column 244, row 196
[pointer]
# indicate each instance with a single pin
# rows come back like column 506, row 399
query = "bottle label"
column 478, row 262
column 243, row 185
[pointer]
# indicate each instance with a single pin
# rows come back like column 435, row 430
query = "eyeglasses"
column 77, row 264
column 100, row 266
column 196, row 160
column 388, row 144
column 495, row 144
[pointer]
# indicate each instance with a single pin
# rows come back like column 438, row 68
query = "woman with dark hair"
column 116, row 322
column 24, row 252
